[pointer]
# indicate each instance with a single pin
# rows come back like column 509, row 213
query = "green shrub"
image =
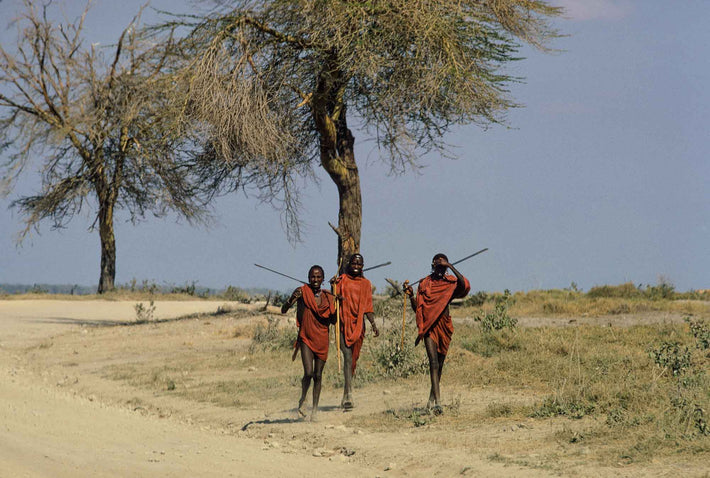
column 499, row 318
column 700, row 331
column 391, row 360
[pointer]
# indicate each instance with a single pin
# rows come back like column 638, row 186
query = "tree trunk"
column 108, row 248
column 338, row 159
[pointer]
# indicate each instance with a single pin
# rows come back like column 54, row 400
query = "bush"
column 391, row 360
column 626, row 291
column 235, row 294
column 475, row 300
column 143, row 313
column 499, row 318
column 272, row 337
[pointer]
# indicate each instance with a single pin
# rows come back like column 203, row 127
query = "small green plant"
column 143, row 313
column 498, row 319
column 394, row 361
column 700, row 331
column 670, row 355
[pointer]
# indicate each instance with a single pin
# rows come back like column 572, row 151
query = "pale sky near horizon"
column 601, row 178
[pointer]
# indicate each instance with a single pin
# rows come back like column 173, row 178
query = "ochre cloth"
column 433, row 319
column 357, row 301
column 313, row 321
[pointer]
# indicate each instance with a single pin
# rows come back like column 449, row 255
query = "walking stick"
column 404, row 317
column 337, row 316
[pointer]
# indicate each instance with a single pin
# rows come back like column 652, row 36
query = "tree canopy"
column 90, row 123
column 273, row 84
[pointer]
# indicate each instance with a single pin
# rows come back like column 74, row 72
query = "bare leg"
column 317, row 381
column 307, row 359
column 347, row 401
column 436, row 366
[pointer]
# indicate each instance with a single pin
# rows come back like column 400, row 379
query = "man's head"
column 355, row 264
column 436, row 262
column 315, row 277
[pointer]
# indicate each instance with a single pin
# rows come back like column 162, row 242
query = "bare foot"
column 301, row 411
column 347, row 403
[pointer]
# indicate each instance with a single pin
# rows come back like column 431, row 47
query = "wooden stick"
column 337, row 317
column 404, row 317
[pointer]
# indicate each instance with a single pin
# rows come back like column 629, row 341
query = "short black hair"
column 440, row 255
column 316, row 266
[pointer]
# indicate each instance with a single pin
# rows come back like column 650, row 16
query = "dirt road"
column 48, row 432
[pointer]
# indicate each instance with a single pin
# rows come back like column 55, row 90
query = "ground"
column 62, row 413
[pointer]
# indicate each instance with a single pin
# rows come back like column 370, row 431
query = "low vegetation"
column 617, row 392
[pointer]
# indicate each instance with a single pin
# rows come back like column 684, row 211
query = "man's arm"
column 460, row 281
column 371, row 318
column 291, row 300
column 408, row 291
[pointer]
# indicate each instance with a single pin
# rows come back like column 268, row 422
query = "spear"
column 457, row 262
column 304, row 282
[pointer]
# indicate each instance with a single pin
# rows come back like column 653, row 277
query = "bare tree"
column 89, row 122
column 273, row 84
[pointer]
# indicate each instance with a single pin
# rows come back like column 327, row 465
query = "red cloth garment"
column 313, row 321
column 357, row 301
column 433, row 319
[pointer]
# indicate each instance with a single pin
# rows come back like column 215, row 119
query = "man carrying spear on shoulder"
column 431, row 306
column 314, row 314
column 356, row 305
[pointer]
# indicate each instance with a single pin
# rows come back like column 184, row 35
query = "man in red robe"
column 355, row 306
column 434, row 324
column 314, row 314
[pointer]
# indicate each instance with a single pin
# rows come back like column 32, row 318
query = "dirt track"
column 49, row 428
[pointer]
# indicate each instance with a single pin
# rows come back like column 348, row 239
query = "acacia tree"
column 89, row 122
column 275, row 84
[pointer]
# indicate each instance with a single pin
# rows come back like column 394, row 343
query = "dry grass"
column 573, row 393
column 555, row 303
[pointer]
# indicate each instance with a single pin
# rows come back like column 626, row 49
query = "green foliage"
column 700, row 331
column 271, row 337
column 391, row 360
column 498, row 319
column 670, row 355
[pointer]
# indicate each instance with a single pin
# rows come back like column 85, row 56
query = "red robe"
column 357, row 301
column 313, row 321
column 433, row 319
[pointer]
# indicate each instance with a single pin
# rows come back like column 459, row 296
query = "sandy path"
column 48, row 432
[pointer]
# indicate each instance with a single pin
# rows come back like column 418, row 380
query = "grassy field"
column 625, row 392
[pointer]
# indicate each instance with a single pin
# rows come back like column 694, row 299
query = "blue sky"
column 601, row 178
